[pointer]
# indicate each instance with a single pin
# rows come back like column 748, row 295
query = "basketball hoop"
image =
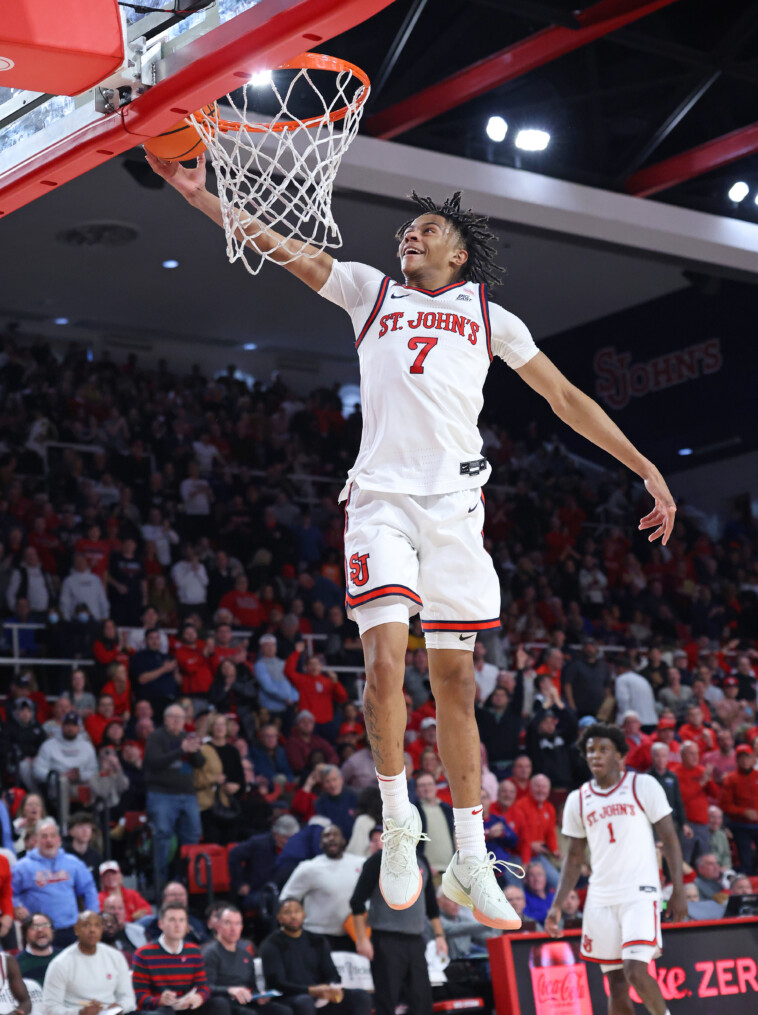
column 281, row 171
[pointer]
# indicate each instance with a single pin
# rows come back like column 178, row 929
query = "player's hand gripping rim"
column 663, row 515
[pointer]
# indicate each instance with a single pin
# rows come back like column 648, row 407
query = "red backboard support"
column 260, row 38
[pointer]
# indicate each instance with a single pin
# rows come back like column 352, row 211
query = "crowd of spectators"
column 184, row 655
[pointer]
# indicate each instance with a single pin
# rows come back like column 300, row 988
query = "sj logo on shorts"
column 587, row 944
column 359, row 568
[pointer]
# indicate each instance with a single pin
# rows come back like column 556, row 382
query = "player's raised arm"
column 572, row 868
column 314, row 269
column 665, row 832
column 585, row 416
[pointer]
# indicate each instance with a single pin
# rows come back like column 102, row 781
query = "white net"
column 275, row 176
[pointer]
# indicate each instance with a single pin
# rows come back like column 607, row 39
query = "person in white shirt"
column 620, row 815
column 195, row 492
column 414, row 509
column 634, row 694
column 136, row 637
column 159, row 531
column 324, row 886
column 30, row 582
column 190, row 579
column 485, row 674
column 82, row 586
column 71, row 755
column 88, row 976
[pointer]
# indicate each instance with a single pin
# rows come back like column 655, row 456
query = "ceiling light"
column 497, row 128
column 739, row 191
column 532, row 140
column 261, row 78
column 250, row 346
column 684, row 451
column 61, row 320
column 171, row 263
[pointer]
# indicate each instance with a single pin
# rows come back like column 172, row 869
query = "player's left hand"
column 663, row 515
column 678, row 905
column 553, row 922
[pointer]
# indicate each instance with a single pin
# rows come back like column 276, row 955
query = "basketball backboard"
column 176, row 62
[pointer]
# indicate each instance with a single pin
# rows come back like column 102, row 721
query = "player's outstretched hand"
column 553, row 922
column 663, row 515
column 187, row 181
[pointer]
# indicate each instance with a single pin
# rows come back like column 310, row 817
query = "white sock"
column 469, row 831
column 395, row 802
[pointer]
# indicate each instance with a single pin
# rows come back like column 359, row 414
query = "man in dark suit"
column 252, row 863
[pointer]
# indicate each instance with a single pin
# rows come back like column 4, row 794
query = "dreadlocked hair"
column 473, row 230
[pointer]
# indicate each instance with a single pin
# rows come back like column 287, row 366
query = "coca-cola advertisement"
column 708, row 968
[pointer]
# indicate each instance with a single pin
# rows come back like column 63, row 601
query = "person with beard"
column 72, row 757
column 117, row 931
column 38, row 951
column 87, row 976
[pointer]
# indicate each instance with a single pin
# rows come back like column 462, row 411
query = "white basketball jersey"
column 618, row 825
column 424, row 357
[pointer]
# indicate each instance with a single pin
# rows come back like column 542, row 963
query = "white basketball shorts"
column 628, row 930
column 406, row 555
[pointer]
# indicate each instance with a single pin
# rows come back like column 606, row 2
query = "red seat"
column 754, row 883
column 197, row 867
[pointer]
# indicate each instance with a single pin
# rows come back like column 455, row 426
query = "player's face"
column 430, row 243
column 603, row 760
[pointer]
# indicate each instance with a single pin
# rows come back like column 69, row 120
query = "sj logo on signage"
column 618, row 379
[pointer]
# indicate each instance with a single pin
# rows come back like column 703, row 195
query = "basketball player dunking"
column 414, row 511
column 620, row 815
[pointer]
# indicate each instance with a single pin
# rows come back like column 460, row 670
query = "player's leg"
column 382, row 577
column 637, row 976
column 461, row 595
column 619, row 1002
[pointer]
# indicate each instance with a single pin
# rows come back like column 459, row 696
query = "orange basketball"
column 182, row 141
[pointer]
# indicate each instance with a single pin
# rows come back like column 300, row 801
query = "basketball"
column 182, row 141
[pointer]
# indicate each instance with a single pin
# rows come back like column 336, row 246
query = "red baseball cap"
column 730, row 682
column 744, row 749
column 667, row 723
column 350, row 727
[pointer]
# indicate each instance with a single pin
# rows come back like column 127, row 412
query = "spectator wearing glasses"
column 38, row 951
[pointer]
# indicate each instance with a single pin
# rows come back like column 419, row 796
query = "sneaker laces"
column 490, row 864
column 401, row 852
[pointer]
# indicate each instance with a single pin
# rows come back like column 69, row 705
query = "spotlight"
column 171, row 263
column 738, row 191
column 250, row 346
column 684, row 452
column 532, row 140
column 61, row 320
column 497, row 128
column 261, row 78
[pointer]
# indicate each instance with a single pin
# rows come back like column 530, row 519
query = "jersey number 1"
column 417, row 367
column 610, row 830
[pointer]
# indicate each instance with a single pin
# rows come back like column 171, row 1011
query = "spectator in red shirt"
column 640, row 756
column 739, row 801
column 320, row 690
column 192, row 656
column 95, row 549
column 506, row 798
column 427, row 738
column 723, row 759
column 533, row 820
column 302, row 742
column 96, row 723
column 695, row 730
column 696, row 785
column 119, row 688
column 112, row 881
column 667, row 735
column 521, row 773
column 553, row 666
column 223, row 647
column 243, row 604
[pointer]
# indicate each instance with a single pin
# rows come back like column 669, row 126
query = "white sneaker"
column 471, row 882
column 400, row 879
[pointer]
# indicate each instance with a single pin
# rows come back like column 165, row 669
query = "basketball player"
column 414, row 511
column 620, row 815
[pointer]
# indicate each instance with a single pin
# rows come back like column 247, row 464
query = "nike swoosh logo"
column 478, row 810
column 462, row 886
column 473, row 508
column 399, row 296
column 465, row 637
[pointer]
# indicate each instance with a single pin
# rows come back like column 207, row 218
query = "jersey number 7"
column 417, row 367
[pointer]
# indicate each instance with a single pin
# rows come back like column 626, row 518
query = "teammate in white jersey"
column 620, row 815
column 414, row 513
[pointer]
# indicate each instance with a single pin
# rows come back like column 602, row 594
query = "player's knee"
column 635, row 972
column 383, row 674
column 458, row 684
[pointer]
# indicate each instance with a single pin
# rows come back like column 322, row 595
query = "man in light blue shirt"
column 276, row 692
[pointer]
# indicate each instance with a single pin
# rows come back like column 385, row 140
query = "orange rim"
column 306, row 61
